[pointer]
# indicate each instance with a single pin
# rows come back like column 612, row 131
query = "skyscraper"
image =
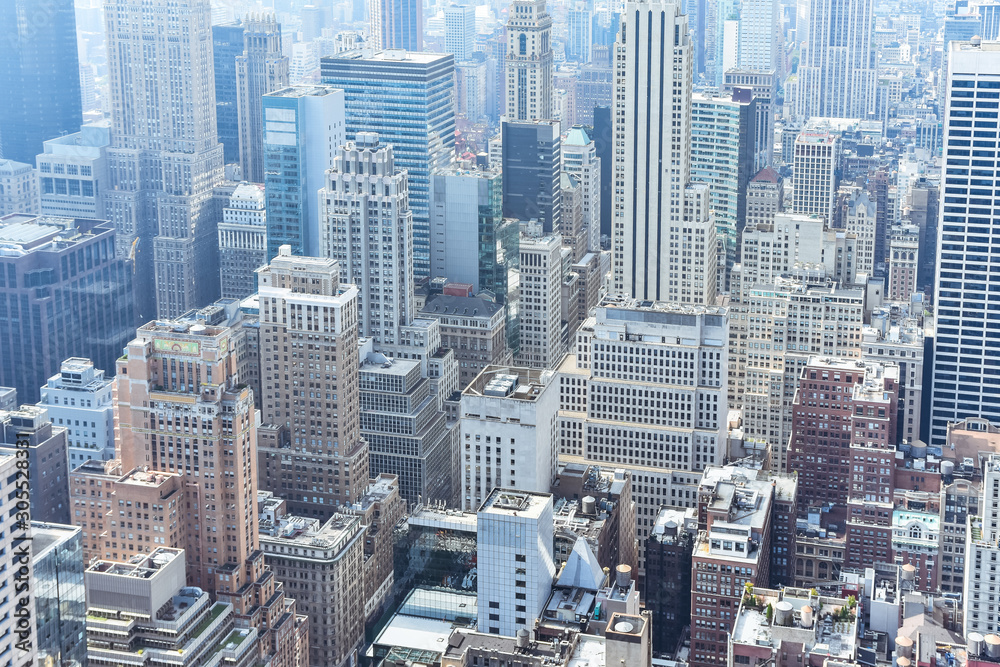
column 303, row 128
column 242, row 241
column 966, row 359
column 260, row 69
column 580, row 32
column 366, row 226
column 165, row 156
column 227, row 45
column 396, row 24
column 40, row 76
column 579, row 159
column 837, row 66
column 311, row 451
column 816, row 159
column 655, row 209
column 460, row 31
column 529, row 61
column 86, row 308
column 759, row 35
column 407, row 99
column 531, row 161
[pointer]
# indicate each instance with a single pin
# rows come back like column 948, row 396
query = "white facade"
column 367, row 226
column 529, row 61
column 541, row 301
column 981, row 605
column 646, row 391
column 460, row 31
column 760, row 30
column 18, row 188
column 579, row 160
column 514, row 536
column 508, row 433
column 663, row 237
column 814, row 167
column 73, row 172
column 837, row 66
column 966, row 297
column 79, row 398
column 900, row 343
column 242, row 241
column 860, row 221
column 471, row 90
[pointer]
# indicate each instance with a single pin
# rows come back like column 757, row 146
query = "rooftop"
column 465, row 306
column 509, row 382
column 516, row 503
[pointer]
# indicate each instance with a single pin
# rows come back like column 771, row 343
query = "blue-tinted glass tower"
column 39, row 76
column 303, row 128
column 227, row 45
column 407, row 99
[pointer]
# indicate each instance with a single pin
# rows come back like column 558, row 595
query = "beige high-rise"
column 310, row 451
column 529, row 61
column 165, row 156
column 183, row 475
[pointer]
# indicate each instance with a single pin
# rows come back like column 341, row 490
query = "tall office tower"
column 406, row 433
column 165, row 156
column 732, row 552
column 721, row 40
column 407, row 99
column 681, row 357
column 824, row 458
column 965, row 357
column 654, row 167
column 40, row 73
column 922, row 203
column 531, row 184
column 18, row 188
column 542, row 344
column 182, row 374
column 465, row 200
column 508, row 433
column 460, row 31
column 579, row 160
column 261, row 68
column 814, row 173
column 604, row 140
column 303, row 128
column 837, row 67
column 571, row 229
column 471, row 90
column 896, row 336
column 366, row 226
column 760, row 36
column 883, row 192
column 396, row 25
column 73, row 172
column 872, row 523
column 859, row 219
column 227, row 46
column 580, row 32
column 69, row 316
column 529, row 61
column 79, row 399
column 982, row 547
column 31, row 428
column 312, row 455
column 904, row 255
column 764, row 89
column 299, row 548
column 25, row 654
column 60, row 598
column 765, row 198
column 514, row 533
column 722, row 132
column 242, row 241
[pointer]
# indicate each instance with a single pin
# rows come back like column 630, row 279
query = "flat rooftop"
column 511, row 502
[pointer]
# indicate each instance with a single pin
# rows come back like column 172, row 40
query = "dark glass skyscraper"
column 227, row 45
column 531, row 170
column 39, row 76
